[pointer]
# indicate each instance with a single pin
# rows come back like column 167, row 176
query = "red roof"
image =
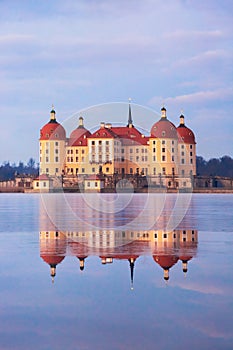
column 79, row 137
column 43, row 177
column 130, row 136
column 164, row 129
column 52, row 131
column 104, row 133
column 185, row 135
column 93, row 177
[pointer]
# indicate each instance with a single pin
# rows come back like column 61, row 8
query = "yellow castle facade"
column 167, row 156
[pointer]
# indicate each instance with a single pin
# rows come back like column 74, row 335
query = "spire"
column 131, row 264
column 81, row 262
column 81, row 125
column 181, row 119
column 163, row 113
column 130, row 120
column 52, row 271
column 52, row 114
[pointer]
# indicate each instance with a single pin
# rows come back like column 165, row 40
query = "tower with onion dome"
column 52, row 147
column 186, row 149
column 163, row 146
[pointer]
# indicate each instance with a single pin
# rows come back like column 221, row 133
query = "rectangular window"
column 44, row 184
column 142, row 150
column 155, row 235
column 173, row 150
column 56, row 159
column 56, row 151
column 173, row 158
column 191, row 154
column 154, row 171
column 154, row 150
column 96, row 184
column 76, row 151
column 164, row 235
column 76, row 159
column 191, row 146
column 47, row 170
column 191, row 161
column 164, row 171
column 107, row 170
column 163, row 158
column 88, row 184
column 56, row 170
column 154, row 158
column 47, row 159
column 107, row 142
column 83, row 151
column 131, row 170
column 83, row 170
column 93, row 143
column 137, row 150
column 182, row 161
column 163, row 142
column 131, row 150
column 154, row 142
column 93, row 170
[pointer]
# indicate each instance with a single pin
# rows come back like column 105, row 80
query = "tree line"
column 10, row 171
column 213, row 167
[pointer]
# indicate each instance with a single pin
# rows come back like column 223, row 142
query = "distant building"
column 167, row 156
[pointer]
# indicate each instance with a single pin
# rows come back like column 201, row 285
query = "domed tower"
column 163, row 147
column 52, row 147
column 186, row 149
column 77, row 149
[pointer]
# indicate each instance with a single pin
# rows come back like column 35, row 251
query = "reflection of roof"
column 53, row 259
column 165, row 261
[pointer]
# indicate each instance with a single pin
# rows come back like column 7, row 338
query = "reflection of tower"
column 80, row 250
column 165, row 253
column 188, row 247
column 166, row 261
column 130, row 251
column 173, row 246
column 52, row 249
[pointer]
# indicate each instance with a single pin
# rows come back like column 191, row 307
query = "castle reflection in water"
column 166, row 248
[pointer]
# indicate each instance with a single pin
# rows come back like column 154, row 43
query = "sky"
column 76, row 54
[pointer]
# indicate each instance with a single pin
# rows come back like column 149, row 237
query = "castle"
column 167, row 157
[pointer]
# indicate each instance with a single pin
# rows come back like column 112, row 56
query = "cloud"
column 199, row 97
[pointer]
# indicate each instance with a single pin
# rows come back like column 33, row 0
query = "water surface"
column 116, row 272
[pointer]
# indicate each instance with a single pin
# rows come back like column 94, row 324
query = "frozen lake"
column 116, row 271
